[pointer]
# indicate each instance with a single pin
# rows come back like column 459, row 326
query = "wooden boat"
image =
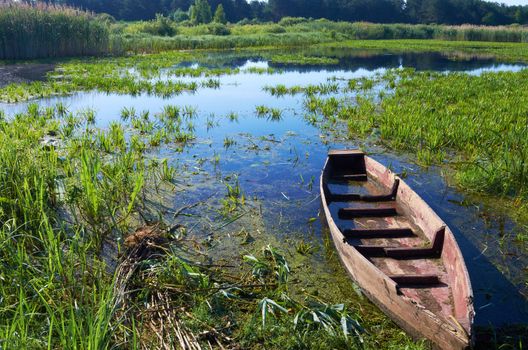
column 402, row 255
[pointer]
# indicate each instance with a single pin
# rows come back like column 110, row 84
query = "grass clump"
column 41, row 31
column 271, row 114
column 303, row 60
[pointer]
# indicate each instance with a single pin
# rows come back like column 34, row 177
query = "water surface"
column 278, row 162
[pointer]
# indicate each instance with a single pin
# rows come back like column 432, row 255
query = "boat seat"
column 351, row 213
column 350, row 177
column 378, row 233
column 433, row 252
column 348, row 197
column 415, row 280
column 348, row 165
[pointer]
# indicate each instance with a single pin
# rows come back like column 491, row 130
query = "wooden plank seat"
column 415, row 280
column 433, row 252
column 350, row 177
column 348, row 197
column 351, row 213
column 378, row 233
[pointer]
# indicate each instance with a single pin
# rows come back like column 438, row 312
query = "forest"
column 380, row 11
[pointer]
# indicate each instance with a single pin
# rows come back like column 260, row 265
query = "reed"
column 42, row 31
column 306, row 32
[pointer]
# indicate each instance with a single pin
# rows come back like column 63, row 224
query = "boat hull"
column 413, row 317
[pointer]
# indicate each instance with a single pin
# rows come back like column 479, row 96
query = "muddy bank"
column 23, row 73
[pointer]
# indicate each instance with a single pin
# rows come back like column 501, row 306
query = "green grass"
column 303, row 60
column 476, row 122
column 136, row 74
column 130, row 38
column 62, row 202
column 43, row 31
column 456, row 49
column 47, row 32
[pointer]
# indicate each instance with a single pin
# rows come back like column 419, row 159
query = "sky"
column 511, row 2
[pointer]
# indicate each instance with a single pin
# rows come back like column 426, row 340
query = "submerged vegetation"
column 87, row 254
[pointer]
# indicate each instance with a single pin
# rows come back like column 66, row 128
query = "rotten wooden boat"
column 401, row 254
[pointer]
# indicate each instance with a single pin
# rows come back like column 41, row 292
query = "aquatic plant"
column 128, row 113
column 232, row 117
column 272, row 114
column 233, row 199
column 228, row 142
column 303, row 60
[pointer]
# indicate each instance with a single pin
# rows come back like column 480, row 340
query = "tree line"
column 380, row 11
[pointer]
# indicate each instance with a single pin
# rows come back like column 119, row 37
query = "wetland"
column 183, row 186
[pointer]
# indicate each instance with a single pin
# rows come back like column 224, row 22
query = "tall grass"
column 374, row 31
column 55, row 293
column 142, row 43
column 133, row 37
column 42, row 31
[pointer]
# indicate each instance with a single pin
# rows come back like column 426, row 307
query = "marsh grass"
column 476, row 122
column 55, row 275
column 303, row 60
column 308, row 32
column 154, row 74
column 61, row 206
column 42, row 31
column 272, row 114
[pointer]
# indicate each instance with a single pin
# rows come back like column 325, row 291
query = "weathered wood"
column 350, row 177
column 415, row 280
column 420, row 316
column 350, row 213
column 434, row 252
column 371, row 250
column 348, row 197
column 378, row 233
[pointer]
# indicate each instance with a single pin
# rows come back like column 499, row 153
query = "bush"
column 218, row 29
column 291, row 21
column 275, row 28
column 161, row 26
column 179, row 16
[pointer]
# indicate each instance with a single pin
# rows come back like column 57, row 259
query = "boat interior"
column 381, row 226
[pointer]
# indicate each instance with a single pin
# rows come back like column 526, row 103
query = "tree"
column 385, row 11
column 219, row 16
column 489, row 19
column 200, row 12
